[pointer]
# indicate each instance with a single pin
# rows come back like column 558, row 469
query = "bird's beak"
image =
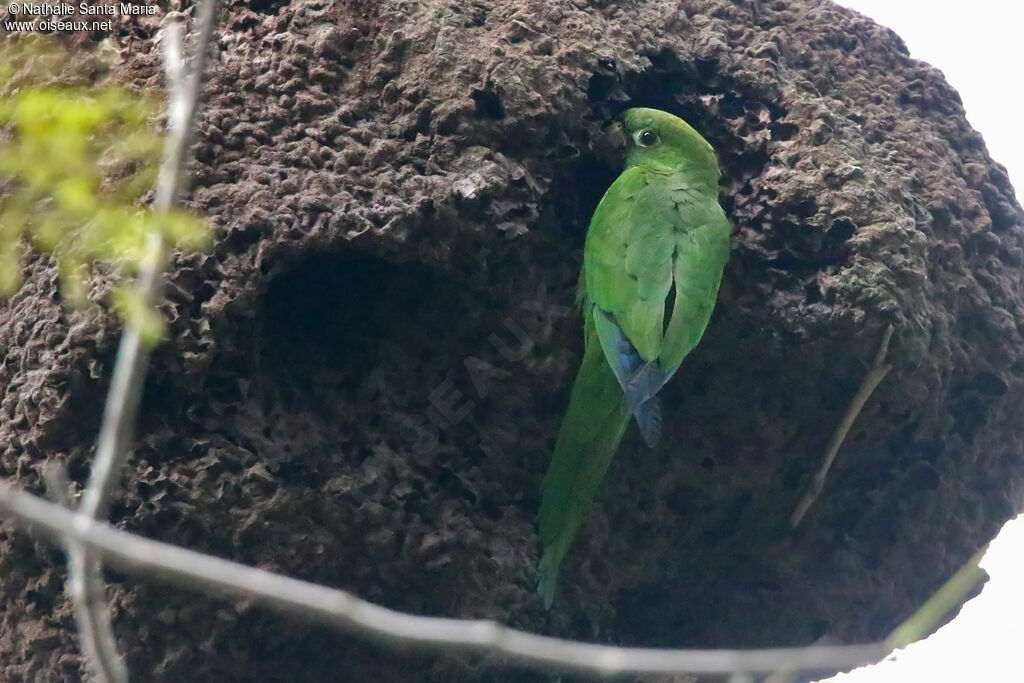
column 611, row 147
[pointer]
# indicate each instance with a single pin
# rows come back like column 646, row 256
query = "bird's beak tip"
column 612, row 145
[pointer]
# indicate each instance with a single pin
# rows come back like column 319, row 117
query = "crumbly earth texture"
column 365, row 375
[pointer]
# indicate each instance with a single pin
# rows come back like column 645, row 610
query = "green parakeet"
column 652, row 264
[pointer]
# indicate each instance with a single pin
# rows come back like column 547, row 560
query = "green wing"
column 655, row 249
column 627, row 258
column 702, row 250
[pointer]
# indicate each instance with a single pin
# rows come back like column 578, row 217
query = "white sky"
column 979, row 46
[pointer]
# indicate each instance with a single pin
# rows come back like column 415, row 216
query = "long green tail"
column 587, row 440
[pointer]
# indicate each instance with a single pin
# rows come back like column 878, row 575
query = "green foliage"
column 75, row 161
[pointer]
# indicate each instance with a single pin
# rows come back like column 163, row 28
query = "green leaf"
column 139, row 315
column 10, row 269
column 75, row 160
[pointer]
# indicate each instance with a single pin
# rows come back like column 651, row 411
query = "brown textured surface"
column 394, row 185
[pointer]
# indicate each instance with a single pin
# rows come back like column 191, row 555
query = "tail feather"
column 548, row 581
column 587, row 440
column 648, row 419
column 647, row 381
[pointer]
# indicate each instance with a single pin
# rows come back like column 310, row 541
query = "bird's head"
column 657, row 138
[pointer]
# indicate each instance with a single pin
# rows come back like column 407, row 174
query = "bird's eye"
column 647, row 138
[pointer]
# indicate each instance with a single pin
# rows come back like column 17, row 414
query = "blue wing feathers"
column 648, row 419
column 639, row 380
column 643, row 385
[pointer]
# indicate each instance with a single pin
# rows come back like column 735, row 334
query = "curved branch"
column 340, row 609
column 879, row 369
column 85, row 575
column 88, row 593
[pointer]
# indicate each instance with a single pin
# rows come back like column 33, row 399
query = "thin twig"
column 340, row 609
column 952, row 593
column 122, row 404
column 876, row 373
column 85, row 576
column 923, row 621
column 94, row 628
